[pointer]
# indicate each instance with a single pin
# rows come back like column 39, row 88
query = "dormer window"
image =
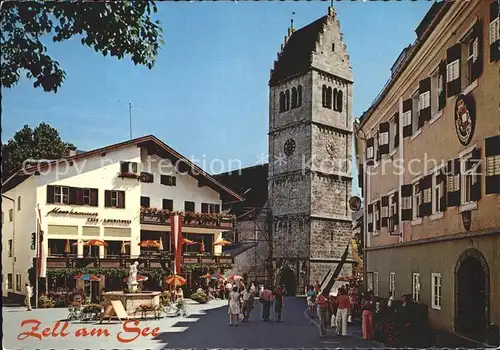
column 333, row 46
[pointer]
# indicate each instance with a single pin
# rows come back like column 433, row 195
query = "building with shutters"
column 122, row 194
column 428, row 152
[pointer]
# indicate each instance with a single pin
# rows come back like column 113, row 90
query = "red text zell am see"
column 130, row 331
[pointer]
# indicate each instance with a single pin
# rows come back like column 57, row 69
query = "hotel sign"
column 59, row 211
column 92, row 218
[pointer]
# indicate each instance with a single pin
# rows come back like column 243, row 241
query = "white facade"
column 97, row 171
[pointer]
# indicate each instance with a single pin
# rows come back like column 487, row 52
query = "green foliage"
column 117, row 28
column 71, row 272
column 92, row 309
column 42, row 142
column 45, row 302
column 201, row 298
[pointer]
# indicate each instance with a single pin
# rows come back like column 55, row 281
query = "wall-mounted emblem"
column 465, row 118
column 330, row 148
column 467, row 220
column 355, row 203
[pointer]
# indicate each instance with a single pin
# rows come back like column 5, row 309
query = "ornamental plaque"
column 467, row 220
column 465, row 118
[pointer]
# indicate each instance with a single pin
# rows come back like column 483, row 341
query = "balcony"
column 147, row 260
column 153, row 216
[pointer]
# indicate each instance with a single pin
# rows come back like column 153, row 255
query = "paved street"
column 206, row 327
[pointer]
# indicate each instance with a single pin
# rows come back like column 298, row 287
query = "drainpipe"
column 13, row 237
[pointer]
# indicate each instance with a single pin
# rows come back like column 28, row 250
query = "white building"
column 98, row 195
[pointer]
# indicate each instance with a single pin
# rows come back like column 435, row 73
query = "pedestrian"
column 252, row 288
column 367, row 318
column 179, row 294
column 323, row 305
column 247, row 304
column 311, row 299
column 317, row 287
column 278, row 302
column 390, row 299
column 333, row 309
column 234, row 306
column 29, row 294
column 229, row 288
column 266, row 298
column 343, row 309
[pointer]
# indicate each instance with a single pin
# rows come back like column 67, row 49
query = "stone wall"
column 329, row 197
column 329, row 238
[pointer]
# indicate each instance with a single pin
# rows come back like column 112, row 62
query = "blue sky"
column 207, row 95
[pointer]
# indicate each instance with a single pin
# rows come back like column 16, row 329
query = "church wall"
column 290, row 194
column 291, row 238
column 329, row 197
column 329, row 150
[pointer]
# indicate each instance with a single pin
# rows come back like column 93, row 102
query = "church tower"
column 310, row 142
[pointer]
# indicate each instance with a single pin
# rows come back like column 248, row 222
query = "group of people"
column 336, row 309
column 241, row 301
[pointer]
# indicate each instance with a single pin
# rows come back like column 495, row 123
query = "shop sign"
column 107, row 221
column 59, row 211
column 465, row 118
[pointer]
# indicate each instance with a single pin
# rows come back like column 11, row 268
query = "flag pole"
column 37, row 284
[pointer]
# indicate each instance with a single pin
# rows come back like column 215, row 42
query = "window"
column 377, row 216
column 392, row 283
column 437, row 192
column 393, row 131
column 9, row 281
column 492, row 159
column 494, row 30
column 329, row 97
column 287, row 100
column 323, row 95
column 168, row 180
column 86, row 196
column 18, row 282
column 282, row 102
column 128, row 167
column 369, row 280
column 18, row 203
column 416, row 200
column 375, row 283
column 436, row 291
column 147, row 177
column 467, row 179
column 189, row 206
column 415, row 111
column 210, row 208
column 333, row 46
column 168, row 204
column 338, row 100
column 453, row 71
column 114, row 199
column 416, row 287
column 436, row 90
column 424, row 100
column 470, row 47
column 393, row 212
column 294, row 97
column 11, row 215
column 10, row 248
column 145, row 202
column 407, row 118
column 61, row 195
column 299, row 96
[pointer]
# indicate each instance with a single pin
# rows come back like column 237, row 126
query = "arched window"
column 329, row 97
column 282, row 101
column 339, row 101
column 294, row 98
column 287, row 100
column 324, row 95
column 299, row 93
column 334, row 99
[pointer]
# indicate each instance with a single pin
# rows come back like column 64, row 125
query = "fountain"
column 133, row 297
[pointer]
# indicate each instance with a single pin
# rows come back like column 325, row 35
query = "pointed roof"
column 295, row 57
column 153, row 144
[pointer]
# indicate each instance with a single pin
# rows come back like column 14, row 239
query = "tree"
column 117, row 28
column 43, row 142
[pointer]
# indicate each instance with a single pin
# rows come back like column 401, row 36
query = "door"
column 472, row 296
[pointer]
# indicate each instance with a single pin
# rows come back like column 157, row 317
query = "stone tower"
column 310, row 141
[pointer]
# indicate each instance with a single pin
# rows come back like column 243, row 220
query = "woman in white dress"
column 234, row 306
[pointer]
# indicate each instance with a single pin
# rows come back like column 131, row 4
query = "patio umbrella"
column 207, row 275
column 149, row 244
column 96, row 242
column 234, row 277
column 217, row 276
column 189, row 242
column 222, row 242
column 175, row 280
column 123, row 250
column 67, row 248
column 74, row 244
column 87, row 278
column 139, row 278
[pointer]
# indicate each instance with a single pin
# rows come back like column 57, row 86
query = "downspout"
column 13, row 237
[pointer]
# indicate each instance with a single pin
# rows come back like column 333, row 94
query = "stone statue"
column 132, row 278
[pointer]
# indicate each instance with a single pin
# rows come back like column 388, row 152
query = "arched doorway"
column 472, row 295
column 286, row 277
